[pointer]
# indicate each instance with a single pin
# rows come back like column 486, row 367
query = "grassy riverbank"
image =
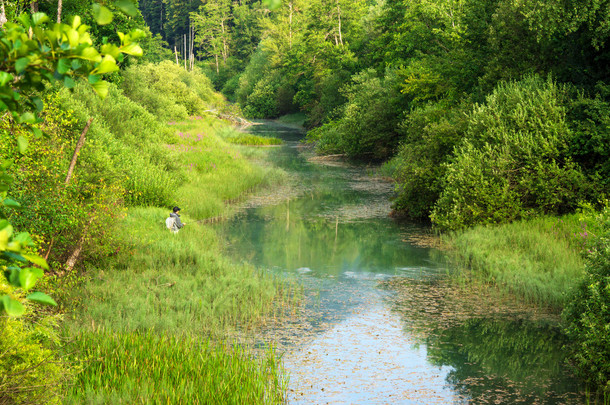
column 152, row 323
column 539, row 260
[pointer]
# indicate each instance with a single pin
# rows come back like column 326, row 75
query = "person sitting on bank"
column 178, row 224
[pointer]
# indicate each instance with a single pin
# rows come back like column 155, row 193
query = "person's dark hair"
column 176, row 209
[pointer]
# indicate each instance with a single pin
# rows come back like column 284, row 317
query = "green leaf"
column 102, row 15
column 76, row 22
column 22, row 143
column 132, row 49
column 12, row 307
column 93, row 79
column 37, row 132
column 4, row 238
column 37, row 260
column 13, row 256
column 39, row 18
column 107, row 65
column 63, row 65
column 5, row 78
column 111, row 49
column 76, row 64
column 27, row 278
column 13, row 276
column 41, row 298
column 11, row 203
column 24, row 238
column 127, row 6
column 90, row 53
column 38, row 103
column 21, row 64
column 101, row 88
column 68, row 82
column 27, row 118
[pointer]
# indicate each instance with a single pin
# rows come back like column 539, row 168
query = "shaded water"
column 381, row 324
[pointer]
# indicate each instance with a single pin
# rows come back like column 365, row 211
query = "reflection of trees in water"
column 500, row 351
column 293, row 235
column 504, row 361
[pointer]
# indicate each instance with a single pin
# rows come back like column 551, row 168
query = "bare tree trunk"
column 225, row 47
column 59, row 7
column 185, row 52
column 79, row 145
column 217, row 69
column 2, row 14
column 71, row 262
column 176, row 52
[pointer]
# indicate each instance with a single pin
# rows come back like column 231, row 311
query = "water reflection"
column 415, row 340
column 504, row 361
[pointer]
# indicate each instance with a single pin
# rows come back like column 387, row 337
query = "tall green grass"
column 147, row 368
column 539, row 260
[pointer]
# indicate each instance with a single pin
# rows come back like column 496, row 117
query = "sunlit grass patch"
column 539, row 260
column 254, row 140
column 176, row 283
column 147, row 368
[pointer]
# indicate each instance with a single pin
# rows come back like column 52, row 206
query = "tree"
column 212, row 30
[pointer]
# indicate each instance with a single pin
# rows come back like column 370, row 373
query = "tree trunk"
column 176, row 52
column 2, row 15
column 79, row 145
column 59, row 7
column 225, row 48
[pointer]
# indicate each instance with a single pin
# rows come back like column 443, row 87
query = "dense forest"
column 483, row 112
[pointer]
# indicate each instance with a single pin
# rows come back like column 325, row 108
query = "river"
column 380, row 323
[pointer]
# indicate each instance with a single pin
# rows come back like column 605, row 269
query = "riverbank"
column 156, row 324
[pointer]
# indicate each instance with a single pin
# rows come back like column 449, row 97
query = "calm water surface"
column 380, row 324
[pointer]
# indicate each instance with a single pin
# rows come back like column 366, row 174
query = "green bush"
column 588, row 314
column 30, row 370
column 513, row 162
column 589, row 120
column 367, row 127
column 431, row 133
column 124, row 147
column 169, row 92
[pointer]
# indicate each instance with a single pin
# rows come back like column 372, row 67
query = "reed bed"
column 147, row 368
column 539, row 260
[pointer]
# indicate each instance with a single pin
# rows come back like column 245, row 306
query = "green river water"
column 380, row 324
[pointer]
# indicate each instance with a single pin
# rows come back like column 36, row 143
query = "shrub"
column 513, row 162
column 431, row 133
column 588, row 314
column 30, row 371
column 367, row 127
column 124, row 147
column 169, row 92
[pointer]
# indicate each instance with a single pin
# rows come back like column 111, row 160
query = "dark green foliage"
column 588, row 314
column 589, row 120
column 430, row 135
column 369, row 120
column 514, row 162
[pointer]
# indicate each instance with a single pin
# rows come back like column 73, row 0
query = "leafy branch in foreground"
column 32, row 54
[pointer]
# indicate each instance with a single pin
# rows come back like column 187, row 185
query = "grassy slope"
column 145, row 322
